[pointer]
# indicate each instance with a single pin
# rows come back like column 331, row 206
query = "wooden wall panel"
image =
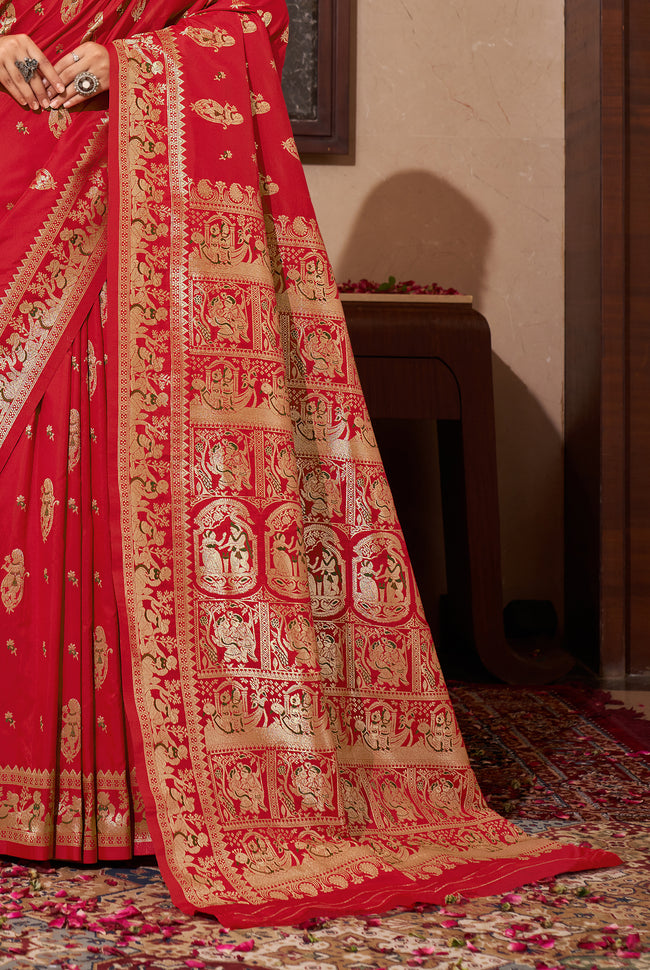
column 638, row 281
column 608, row 336
column 583, row 343
column 613, row 334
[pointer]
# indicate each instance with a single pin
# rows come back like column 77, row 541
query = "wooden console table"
column 430, row 357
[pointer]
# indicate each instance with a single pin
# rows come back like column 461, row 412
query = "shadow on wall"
column 531, row 497
column 416, row 225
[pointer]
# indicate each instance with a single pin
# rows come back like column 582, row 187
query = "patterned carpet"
column 564, row 758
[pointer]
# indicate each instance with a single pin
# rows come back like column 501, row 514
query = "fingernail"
column 35, row 105
column 45, row 103
column 60, row 88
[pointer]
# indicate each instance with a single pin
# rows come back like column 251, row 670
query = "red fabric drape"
column 295, row 746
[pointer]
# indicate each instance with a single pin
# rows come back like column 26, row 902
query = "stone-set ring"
column 86, row 84
column 75, row 57
column 27, row 68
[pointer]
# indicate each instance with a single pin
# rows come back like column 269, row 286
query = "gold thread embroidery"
column 13, row 584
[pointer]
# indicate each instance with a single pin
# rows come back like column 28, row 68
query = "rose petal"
column 245, row 946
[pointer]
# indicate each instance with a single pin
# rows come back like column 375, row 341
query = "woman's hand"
column 87, row 58
column 33, row 93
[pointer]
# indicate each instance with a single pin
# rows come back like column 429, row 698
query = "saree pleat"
column 209, row 611
column 67, row 790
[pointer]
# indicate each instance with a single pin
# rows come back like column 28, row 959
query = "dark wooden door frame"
column 614, row 576
column 607, row 376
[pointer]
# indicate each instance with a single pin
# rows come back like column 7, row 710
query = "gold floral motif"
column 219, row 114
column 48, row 505
column 95, row 24
column 259, row 106
column 58, row 120
column 267, row 185
column 7, row 17
column 13, row 584
column 289, row 145
column 101, row 654
column 43, row 180
column 216, row 38
column 70, row 9
column 74, row 438
column 93, row 363
column 71, row 729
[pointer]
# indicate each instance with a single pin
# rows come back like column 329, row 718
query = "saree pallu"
column 204, row 576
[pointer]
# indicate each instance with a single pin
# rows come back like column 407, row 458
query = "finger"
column 32, row 88
column 7, row 81
column 27, row 96
column 44, row 75
column 12, row 89
column 74, row 101
column 65, row 99
column 72, row 96
column 69, row 64
column 49, row 73
column 38, row 88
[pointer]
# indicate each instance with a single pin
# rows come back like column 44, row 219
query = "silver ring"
column 75, row 57
column 27, row 68
column 86, row 84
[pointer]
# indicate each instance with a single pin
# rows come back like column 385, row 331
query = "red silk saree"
column 212, row 643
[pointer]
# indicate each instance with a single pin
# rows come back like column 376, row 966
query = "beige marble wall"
column 459, row 179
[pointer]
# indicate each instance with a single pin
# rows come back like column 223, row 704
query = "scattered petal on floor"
column 541, row 758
